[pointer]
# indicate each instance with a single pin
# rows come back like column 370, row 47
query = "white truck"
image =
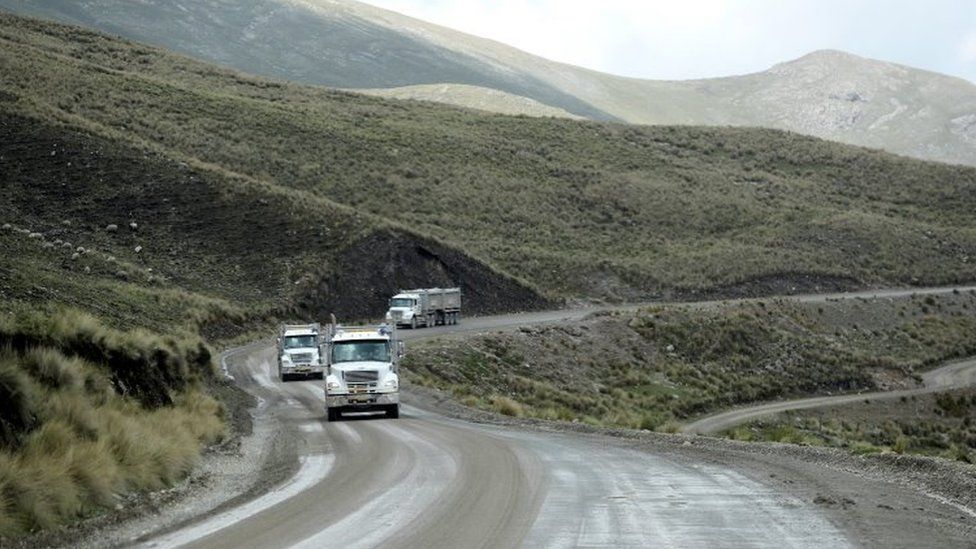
column 300, row 351
column 425, row 307
column 362, row 364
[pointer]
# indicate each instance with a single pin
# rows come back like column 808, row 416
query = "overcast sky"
column 695, row 38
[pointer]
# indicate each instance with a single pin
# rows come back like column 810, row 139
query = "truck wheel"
column 332, row 414
column 319, row 375
column 413, row 323
column 393, row 411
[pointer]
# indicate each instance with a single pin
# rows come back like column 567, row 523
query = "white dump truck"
column 426, row 307
column 300, row 351
column 362, row 364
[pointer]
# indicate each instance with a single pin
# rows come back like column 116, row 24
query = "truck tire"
column 413, row 323
column 332, row 414
column 319, row 375
column 393, row 411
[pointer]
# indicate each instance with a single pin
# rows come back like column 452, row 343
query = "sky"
column 682, row 39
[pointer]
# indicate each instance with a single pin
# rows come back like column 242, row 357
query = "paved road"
column 428, row 481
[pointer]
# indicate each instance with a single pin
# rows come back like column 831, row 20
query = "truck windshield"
column 360, row 351
column 401, row 302
column 298, row 342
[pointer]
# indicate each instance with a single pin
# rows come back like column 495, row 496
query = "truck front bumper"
column 302, row 368
column 362, row 400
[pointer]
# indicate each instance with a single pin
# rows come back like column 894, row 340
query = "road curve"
column 953, row 375
column 428, row 481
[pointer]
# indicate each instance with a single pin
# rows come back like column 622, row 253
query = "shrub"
column 507, row 406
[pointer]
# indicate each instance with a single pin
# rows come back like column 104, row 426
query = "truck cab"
column 299, row 351
column 363, row 363
column 406, row 309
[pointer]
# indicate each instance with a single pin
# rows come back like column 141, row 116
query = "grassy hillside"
column 579, row 209
column 472, row 97
column 143, row 239
column 939, row 424
column 350, row 44
column 657, row 366
column 330, row 44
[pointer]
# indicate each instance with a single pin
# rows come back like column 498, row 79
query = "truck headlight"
column 286, row 358
column 332, row 385
column 391, row 383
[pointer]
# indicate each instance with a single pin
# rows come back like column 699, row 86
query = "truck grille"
column 363, row 376
column 301, row 358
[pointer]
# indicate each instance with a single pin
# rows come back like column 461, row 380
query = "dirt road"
column 954, row 375
column 429, row 481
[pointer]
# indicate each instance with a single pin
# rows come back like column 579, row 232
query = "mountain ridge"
column 352, row 45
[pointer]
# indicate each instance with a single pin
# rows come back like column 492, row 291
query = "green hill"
column 274, row 183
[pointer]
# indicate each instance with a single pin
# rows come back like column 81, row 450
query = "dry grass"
column 658, row 367
column 579, row 208
column 506, row 406
column 72, row 441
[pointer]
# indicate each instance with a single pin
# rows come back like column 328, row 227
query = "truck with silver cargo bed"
column 425, row 307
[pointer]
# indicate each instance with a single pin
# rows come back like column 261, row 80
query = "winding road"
column 426, row 480
column 954, row 375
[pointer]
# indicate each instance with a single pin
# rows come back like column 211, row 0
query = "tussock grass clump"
column 73, row 434
column 140, row 364
column 17, row 398
column 506, row 406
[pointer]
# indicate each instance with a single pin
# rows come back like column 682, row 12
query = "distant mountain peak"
column 827, row 93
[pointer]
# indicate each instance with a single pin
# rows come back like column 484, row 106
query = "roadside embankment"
column 89, row 414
